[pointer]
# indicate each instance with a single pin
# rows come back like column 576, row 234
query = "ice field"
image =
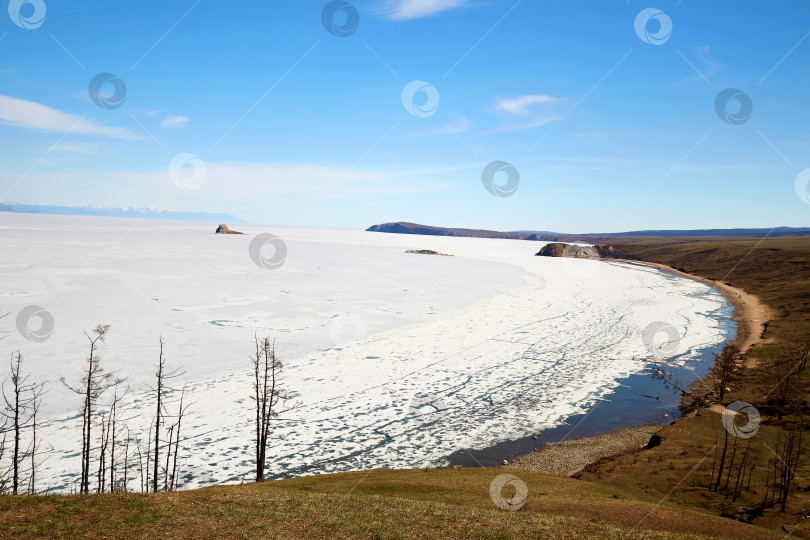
column 399, row 359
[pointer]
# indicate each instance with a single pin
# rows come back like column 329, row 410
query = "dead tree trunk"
column 163, row 378
column 270, row 397
column 168, row 459
column 791, row 459
column 21, row 404
column 93, row 384
column 112, row 421
column 159, row 392
column 722, row 462
column 16, row 409
column 34, row 448
column 180, row 413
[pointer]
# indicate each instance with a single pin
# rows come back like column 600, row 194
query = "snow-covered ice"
column 400, row 359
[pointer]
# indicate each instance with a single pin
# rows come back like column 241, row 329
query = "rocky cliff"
column 559, row 249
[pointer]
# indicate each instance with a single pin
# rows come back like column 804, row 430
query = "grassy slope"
column 439, row 503
column 775, row 270
column 778, row 272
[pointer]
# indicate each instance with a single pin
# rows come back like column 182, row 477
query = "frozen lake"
column 400, row 359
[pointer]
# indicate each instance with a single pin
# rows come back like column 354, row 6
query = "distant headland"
column 403, row 227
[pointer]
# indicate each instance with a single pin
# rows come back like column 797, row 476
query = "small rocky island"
column 428, row 252
column 577, row 251
column 223, row 229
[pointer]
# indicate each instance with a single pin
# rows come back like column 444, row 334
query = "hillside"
column 771, row 377
column 383, row 503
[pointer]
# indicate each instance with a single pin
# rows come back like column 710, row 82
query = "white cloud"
column 401, row 10
column 172, row 122
column 526, row 112
column 31, row 115
column 525, row 105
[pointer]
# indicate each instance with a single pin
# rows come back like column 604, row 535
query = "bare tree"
column 180, row 413
column 725, row 365
column 789, row 457
column 159, row 392
column 716, row 484
column 162, row 388
column 671, row 382
column 747, row 464
column 169, row 447
column 270, row 396
column 109, row 427
column 94, row 382
column 126, row 460
column 112, row 428
column 34, row 444
column 104, row 424
column 21, row 404
column 144, row 469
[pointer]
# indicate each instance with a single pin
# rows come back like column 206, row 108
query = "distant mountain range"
column 547, row 236
column 149, row 213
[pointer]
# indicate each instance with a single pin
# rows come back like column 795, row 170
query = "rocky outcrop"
column 554, row 249
column 427, row 252
column 223, row 229
column 559, row 249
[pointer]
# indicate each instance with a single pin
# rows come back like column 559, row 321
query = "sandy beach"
column 566, row 458
column 750, row 313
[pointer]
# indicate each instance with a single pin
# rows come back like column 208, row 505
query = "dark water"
column 637, row 400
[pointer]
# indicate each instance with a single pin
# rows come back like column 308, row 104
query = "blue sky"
column 281, row 122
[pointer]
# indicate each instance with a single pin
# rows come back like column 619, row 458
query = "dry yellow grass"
column 438, row 503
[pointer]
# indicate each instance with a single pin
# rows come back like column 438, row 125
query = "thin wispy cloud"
column 526, row 111
column 169, row 121
column 525, row 105
column 704, row 63
column 402, row 10
column 174, row 122
column 36, row 116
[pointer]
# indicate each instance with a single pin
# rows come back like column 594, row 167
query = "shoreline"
column 750, row 314
column 568, row 457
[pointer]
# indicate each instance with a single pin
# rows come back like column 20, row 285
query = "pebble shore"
column 567, row 457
